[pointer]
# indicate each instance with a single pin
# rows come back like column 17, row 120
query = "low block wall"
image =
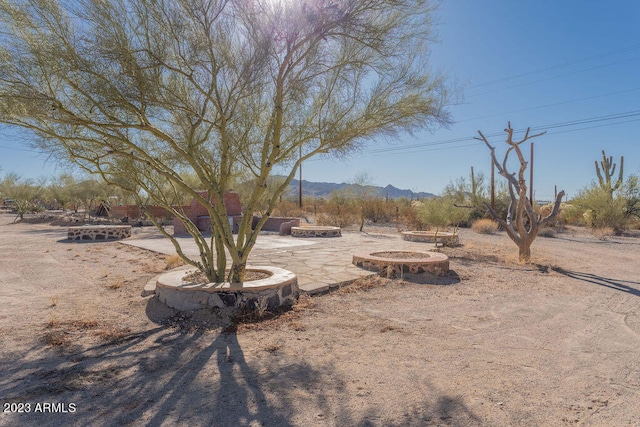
column 414, row 262
column 274, row 223
column 316, row 231
column 99, row 232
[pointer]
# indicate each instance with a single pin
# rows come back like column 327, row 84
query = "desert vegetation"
column 159, row 93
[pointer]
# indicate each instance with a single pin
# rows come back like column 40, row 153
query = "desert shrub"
column 337, row 215
column 485, row 226
column 547, row 232
column 173, row 261
column 288, row 208
column 435, row 212
column 601, row 210
column 603, row 232
column 409, row 218
column 561, row 219
column 377, row 210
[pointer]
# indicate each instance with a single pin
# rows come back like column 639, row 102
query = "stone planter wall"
column 280, row 289
column 444, row 237
column 430, row 262
column 316, row 231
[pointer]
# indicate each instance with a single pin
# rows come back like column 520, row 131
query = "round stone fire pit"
column 444, row 237
column 399, row 262
column 316, row 231
column 278, row 288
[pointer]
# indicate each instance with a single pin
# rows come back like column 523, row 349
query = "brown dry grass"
column 603, row 233
column 174, row 261
column 364, row 284
column 61, row 333
column 485, row 226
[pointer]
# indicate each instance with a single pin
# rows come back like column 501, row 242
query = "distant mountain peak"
column 324, row 189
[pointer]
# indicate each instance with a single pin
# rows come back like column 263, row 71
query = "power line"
column 554, row 104
column 19, row 149
column 420, row 147
column 561, row 65
column 554, row 77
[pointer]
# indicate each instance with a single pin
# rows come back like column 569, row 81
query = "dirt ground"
column 553, row 343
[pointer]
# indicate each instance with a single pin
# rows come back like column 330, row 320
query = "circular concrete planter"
column 399, row 262
column 316, row 231
column 444, row 237
column 279, row 289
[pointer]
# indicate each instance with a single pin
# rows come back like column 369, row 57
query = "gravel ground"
column 556, row 342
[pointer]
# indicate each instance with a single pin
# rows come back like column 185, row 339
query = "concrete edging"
column 279, row 289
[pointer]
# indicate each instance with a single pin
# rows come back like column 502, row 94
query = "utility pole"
column 300, row 181
column 531, row 177
column 493, row 185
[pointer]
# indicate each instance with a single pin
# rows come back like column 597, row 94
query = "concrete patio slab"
column 320, row 264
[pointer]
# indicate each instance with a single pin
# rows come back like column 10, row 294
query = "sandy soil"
column 553, row 343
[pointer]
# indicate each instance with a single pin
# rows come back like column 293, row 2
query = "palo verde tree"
column 143, row 92
column 522, row 222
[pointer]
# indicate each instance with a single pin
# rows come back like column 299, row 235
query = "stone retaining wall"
column 99, row 232
column 433, row 262
column 445, row 237
column 316, row 231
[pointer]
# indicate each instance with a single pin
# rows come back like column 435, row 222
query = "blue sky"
column 535, row 63
column 544, row 64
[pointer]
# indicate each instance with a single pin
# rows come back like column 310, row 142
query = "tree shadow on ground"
column 616, row 284
column 165, row 376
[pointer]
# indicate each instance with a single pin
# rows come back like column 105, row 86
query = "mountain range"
column 324, row 189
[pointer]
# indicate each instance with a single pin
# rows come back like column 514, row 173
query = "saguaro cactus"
column 609, row 169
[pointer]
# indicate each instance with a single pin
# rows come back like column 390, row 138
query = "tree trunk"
column 238, row 272
column 524, row 251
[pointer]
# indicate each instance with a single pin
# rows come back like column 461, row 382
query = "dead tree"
column 522, row 222
column 609, row 169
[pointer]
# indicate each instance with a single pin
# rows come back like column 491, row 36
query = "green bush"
column 600, row 209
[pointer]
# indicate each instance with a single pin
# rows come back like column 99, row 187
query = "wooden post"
column 493, row 185
column 531, row 176
column 300, row 182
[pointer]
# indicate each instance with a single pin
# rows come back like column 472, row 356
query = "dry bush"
column 378, row 211
column 173, row 261
column 603, row 233
column 116, row 283
column 566, row 213
column 53, row 322
column 409, row 218
column 83, row 324
column 485, row 226
column 112, row 334
column 56, row 338
column 547, row 232
column 272, row 348
column 297, row 326
column 364, row 284
column 344, row 218
column 287, row 208
column 249, row 320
